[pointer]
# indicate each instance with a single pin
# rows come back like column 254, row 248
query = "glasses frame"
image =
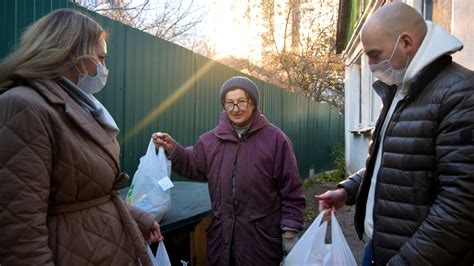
column 234, row 104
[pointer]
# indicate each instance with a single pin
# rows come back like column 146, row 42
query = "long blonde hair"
column 51, row 46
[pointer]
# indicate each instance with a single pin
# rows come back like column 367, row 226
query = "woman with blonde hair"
column 59, row 156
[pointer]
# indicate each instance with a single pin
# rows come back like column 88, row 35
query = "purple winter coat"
column 267, row 189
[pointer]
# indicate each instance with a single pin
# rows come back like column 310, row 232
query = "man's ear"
column 407, row 42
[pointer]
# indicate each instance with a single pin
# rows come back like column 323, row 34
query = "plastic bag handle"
column 151, row 150
column 152, row 155
column 339, row 245
column 162, row 162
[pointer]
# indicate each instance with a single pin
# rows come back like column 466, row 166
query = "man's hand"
column 332, row 199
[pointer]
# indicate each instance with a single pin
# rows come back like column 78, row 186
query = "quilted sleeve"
column 447, row 233
column 144, row 219
column 351, row 186
column 25, row 158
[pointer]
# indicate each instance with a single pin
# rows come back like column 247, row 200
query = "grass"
column 328, row 176
column 336, row 175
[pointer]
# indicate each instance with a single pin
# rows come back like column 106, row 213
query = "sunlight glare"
column 230, row 33
column 168, row 102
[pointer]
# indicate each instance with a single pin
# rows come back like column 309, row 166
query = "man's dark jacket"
column 424, row 197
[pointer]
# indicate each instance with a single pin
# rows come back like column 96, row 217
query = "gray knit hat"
column 243, row 83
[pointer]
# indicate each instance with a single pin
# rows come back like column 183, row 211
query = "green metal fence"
column 155, row 85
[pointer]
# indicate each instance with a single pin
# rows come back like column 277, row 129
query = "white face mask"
column 93, row 84
column 385, row 72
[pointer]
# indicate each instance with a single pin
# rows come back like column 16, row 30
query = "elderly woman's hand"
column 289, row 239
column 163, row 140
column 155, row 234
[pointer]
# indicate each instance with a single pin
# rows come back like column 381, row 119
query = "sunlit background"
column 289, row 43
column 223, row 28
column 230, row 33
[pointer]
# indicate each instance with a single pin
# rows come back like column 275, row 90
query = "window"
column 373, row 110
column 427, row 9
column 366, row 103
column 361, row 96
column 375, row 102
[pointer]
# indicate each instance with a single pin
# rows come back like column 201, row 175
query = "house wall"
column 362, row 105
column 461, row 27
column 353, row 145
column 362, row 110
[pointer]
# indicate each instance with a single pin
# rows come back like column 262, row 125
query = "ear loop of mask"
column 79, row 71
column 408, row 57
column 394, row 49
column 80, row 75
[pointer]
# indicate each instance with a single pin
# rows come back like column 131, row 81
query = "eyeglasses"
column 241, row 104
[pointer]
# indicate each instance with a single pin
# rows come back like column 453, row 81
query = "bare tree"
column 298, row 51
column 172, row 20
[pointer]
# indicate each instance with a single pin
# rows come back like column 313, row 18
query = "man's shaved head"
column 393, row 19
column 394, row 32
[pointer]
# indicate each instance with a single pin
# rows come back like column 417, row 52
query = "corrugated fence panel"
column 209, row 75
column 155, row 85
column 324, row 133
column 16, row 15
column 207, row 104
column 7, row 28
column 112, row 96
column 302, row 134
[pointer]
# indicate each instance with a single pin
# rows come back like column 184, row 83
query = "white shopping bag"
column 312, row 250
column 161, row 258
column 151, row 183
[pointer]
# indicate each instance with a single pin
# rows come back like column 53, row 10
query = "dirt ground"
column 345, row 217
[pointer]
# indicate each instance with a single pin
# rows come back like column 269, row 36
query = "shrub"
column 337, row 153
column 335, row 175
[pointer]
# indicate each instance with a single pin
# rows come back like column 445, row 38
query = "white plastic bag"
column 312, row 250
column 161, row 258
column 151, row 183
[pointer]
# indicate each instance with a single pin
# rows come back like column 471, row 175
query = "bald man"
column 415, row 197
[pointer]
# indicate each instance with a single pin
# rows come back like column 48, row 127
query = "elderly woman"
column 256, row 192
column 59, row 156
